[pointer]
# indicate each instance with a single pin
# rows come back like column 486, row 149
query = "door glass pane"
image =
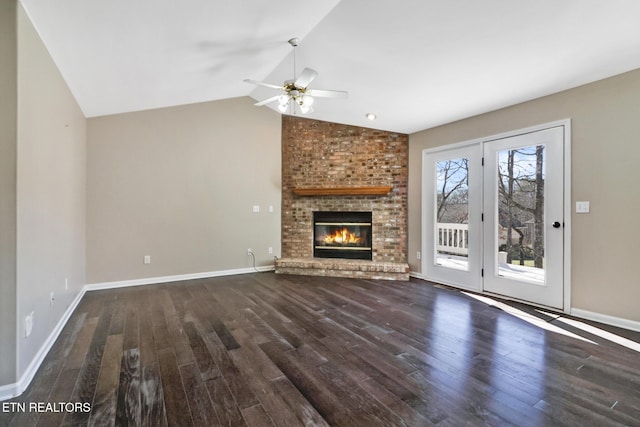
column 520, row 231
column 452, row 213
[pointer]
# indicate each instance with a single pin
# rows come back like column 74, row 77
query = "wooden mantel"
column 342, row 191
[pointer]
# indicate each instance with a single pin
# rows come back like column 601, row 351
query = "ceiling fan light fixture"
column 304, row 108
column 283, row 107
column 307, row 100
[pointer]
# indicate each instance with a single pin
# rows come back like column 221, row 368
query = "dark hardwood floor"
column 276, row 350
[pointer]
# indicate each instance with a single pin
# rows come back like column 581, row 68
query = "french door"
column 524, row 217
column 494, row 215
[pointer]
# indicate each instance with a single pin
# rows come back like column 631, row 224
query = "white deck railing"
column 452, row 238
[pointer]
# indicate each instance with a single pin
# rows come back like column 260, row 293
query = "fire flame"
column 342, row 237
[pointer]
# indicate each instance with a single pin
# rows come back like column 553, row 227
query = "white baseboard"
column 176, row 278
column 16, row 389
column 10, row 391
column 606, row 319
column 417, row 275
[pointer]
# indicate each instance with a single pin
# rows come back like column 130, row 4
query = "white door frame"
column 428, row 204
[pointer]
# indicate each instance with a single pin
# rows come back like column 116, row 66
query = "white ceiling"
column 414, row 63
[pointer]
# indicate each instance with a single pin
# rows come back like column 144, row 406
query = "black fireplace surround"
column 339, row 234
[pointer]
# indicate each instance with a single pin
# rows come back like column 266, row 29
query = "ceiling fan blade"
column 266, row 101
column 255, row 82
column 306, row 77
column 328, row 93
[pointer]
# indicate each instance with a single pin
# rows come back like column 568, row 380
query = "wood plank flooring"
column 277, row 350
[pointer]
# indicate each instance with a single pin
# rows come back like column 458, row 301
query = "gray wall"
column 50, row 193
column 605, row 153
column 8, row 140
column 179, row 184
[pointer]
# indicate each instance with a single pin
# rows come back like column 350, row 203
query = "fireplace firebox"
column 342, row 235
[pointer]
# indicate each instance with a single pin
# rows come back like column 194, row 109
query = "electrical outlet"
column 256, row 208
column 147, row 259
column 582, row 207
column 249, row 251
column 270, row 250
column 418, row 255
column 28, row 324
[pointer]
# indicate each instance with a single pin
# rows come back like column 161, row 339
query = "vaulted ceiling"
column 414, row 63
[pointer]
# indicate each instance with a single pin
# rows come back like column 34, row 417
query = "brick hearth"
column 343, row 268
column 321, row 155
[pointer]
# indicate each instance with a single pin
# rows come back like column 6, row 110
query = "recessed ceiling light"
column 370, row 116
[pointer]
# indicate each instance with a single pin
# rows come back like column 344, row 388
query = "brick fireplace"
column 329, row 167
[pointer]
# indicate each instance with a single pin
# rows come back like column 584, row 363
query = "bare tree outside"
column 452, row 216
column 521, row 204
column 453, row 190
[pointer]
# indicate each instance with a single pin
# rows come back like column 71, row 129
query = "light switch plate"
column 582, row 207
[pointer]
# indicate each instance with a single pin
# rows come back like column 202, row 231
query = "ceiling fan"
column 297, row 92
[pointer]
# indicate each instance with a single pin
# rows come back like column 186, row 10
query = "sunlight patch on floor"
column 536, row 321
column 602, row 333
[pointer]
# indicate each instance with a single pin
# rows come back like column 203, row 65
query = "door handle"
column 556, row 224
